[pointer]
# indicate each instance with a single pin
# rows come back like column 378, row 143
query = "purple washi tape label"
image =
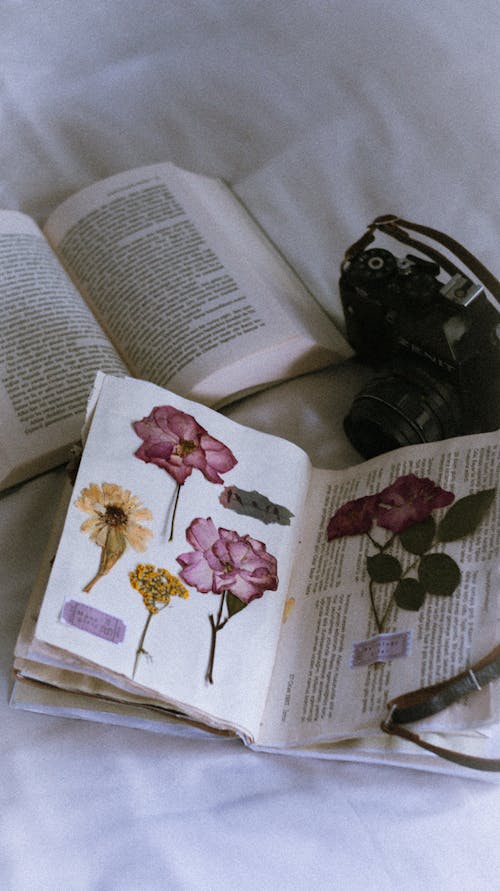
column 94, row 621
column 381, row 648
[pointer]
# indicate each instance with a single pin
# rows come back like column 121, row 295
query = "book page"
column 174, row 590
column 187, row 286
column 330, row 679
column 50, row 347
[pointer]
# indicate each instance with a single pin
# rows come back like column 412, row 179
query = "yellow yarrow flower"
column 156, row 585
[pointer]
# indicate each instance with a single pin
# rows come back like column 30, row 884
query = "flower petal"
column 174, row 441
column 196, row 571
column 178, row 424
column 138, row 536
column 229, row 561
column 410, row 499
column 202, row 534
column 353, row 518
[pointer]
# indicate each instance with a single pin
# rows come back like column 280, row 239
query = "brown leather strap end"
column 428, row 701
column 461, row 758
column 418, row 704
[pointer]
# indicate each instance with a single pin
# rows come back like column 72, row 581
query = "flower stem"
column 388, row 543
column 215, row 626
column 374, row 543
column 387, row 611
column 378, row 622
column 88, row 587
column 111, row 551
column 388, row 607
column 140, row 647
column 172, row 511
column 381, row 548
column 106, row 561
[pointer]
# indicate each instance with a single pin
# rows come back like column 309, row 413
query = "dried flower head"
column 156, row 586
column 174, row 441
column 115, row 517
column 223, row 560
column 410, row 499
column 353, row 518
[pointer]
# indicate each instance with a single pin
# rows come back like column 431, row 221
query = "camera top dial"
column 371, row 268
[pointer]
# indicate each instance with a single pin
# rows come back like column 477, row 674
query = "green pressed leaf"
column 418, row 538
column 465, row 515
column 409, row 594
column 234, row 604
column 439, row 574
column 383, row 568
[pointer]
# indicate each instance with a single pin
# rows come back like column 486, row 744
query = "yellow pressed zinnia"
column 115, row 517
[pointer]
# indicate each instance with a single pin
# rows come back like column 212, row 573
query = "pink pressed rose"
column 222, row 560
column 411, row 499
column 353, row 518
column 230, row 565
column 176, row 442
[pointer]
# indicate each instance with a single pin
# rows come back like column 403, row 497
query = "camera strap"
column 428, row 701
column 397, row 228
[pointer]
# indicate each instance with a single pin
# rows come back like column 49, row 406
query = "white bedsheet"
column 322, row 115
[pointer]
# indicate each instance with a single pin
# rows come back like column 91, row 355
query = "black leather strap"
column 428, row 701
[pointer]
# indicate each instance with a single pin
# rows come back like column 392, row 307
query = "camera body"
column 435, row 345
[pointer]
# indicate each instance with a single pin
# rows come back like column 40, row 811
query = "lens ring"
column 402, row 407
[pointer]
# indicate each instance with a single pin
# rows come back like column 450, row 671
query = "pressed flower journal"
column 207, row 573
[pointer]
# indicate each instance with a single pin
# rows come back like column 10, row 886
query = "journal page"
column 395, row 588
column 174, row 563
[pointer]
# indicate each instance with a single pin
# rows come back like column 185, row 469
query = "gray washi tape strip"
column 94, row 621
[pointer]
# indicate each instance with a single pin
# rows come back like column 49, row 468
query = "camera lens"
column 402, row 407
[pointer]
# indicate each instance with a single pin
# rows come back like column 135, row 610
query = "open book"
column 208, row 576
column 157, row 273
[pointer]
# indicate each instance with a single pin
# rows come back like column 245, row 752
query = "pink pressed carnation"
column 353, row 518
column 411, row 499
column 176, row 442
column 223, row 560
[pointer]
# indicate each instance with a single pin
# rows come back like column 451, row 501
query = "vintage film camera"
column 435, row 344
